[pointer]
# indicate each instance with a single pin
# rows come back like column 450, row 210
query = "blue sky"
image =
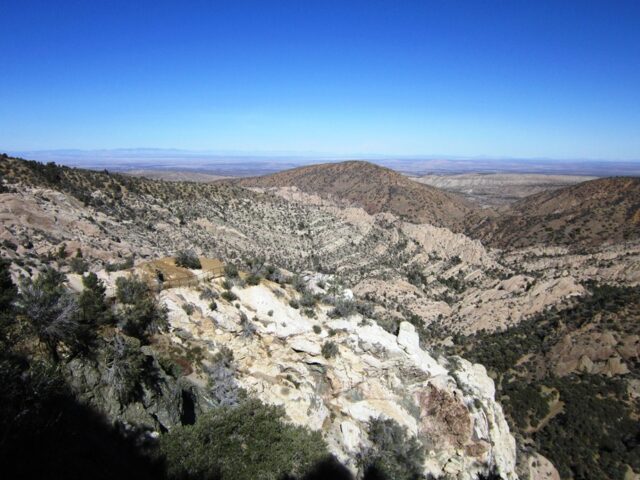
column 556, row 79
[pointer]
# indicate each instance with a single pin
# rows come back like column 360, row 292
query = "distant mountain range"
column 263, row 163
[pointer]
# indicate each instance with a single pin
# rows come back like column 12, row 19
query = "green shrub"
column 317, row 329
column 208, row 294
column 273, row 274
column 329, row 349
column 143, row 318
column 247, row 442
column 188, row 308
column 10, row 245
column 125, row 365
column 8, row 290
column 142, row 314
column 78, row 265
column 394, row 454
column 230, row 270
column 130, row 289
column 308, row 300
column 343, row 308
column 416, row 277
column 248, row 327
column 115, row 267
column 389, row 324
column 298, row 283
column 229, row 296
column 92, row 301
column 50, row 311
column 188, row 259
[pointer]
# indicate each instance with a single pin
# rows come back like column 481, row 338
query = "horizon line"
column 307, row 155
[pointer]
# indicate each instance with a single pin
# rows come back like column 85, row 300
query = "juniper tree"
column 50, row 311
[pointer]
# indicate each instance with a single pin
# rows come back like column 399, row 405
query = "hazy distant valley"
column 353, row 292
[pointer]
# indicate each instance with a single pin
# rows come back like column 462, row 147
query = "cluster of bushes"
column 78, row 264
column 274, row 274
column 394, row 454
column 230, row 270
column 596, row 434
column 140, row 314
column 188, row 259
column 329, row 349
column 229, row 296
column 256, row 268
column 124, row 265
column 527, row 405
column 416, row 277
column 246, row 442
column 46, row 431
column 455, row 283
column 343, row 308
column 66, row 322
column 56, row 317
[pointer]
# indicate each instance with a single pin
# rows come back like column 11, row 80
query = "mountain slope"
column 406, row 278
column 567, row 377
column 585, row 215
column 499, row 189
column 302, row 342
column 374, row 188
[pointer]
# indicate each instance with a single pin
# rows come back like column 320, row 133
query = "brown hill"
column 374, row 188
column 587, row 214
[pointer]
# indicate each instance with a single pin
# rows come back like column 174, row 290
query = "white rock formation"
column 451, row 410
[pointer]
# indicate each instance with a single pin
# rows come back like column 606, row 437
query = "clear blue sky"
column 510, row 78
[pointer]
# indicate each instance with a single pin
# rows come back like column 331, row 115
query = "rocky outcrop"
column 157, row 403
column 261, row 345
column 448, row 405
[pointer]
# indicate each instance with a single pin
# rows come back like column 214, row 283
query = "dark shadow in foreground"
column 46, row 433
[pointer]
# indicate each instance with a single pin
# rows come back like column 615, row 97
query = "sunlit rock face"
column 448, row 404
